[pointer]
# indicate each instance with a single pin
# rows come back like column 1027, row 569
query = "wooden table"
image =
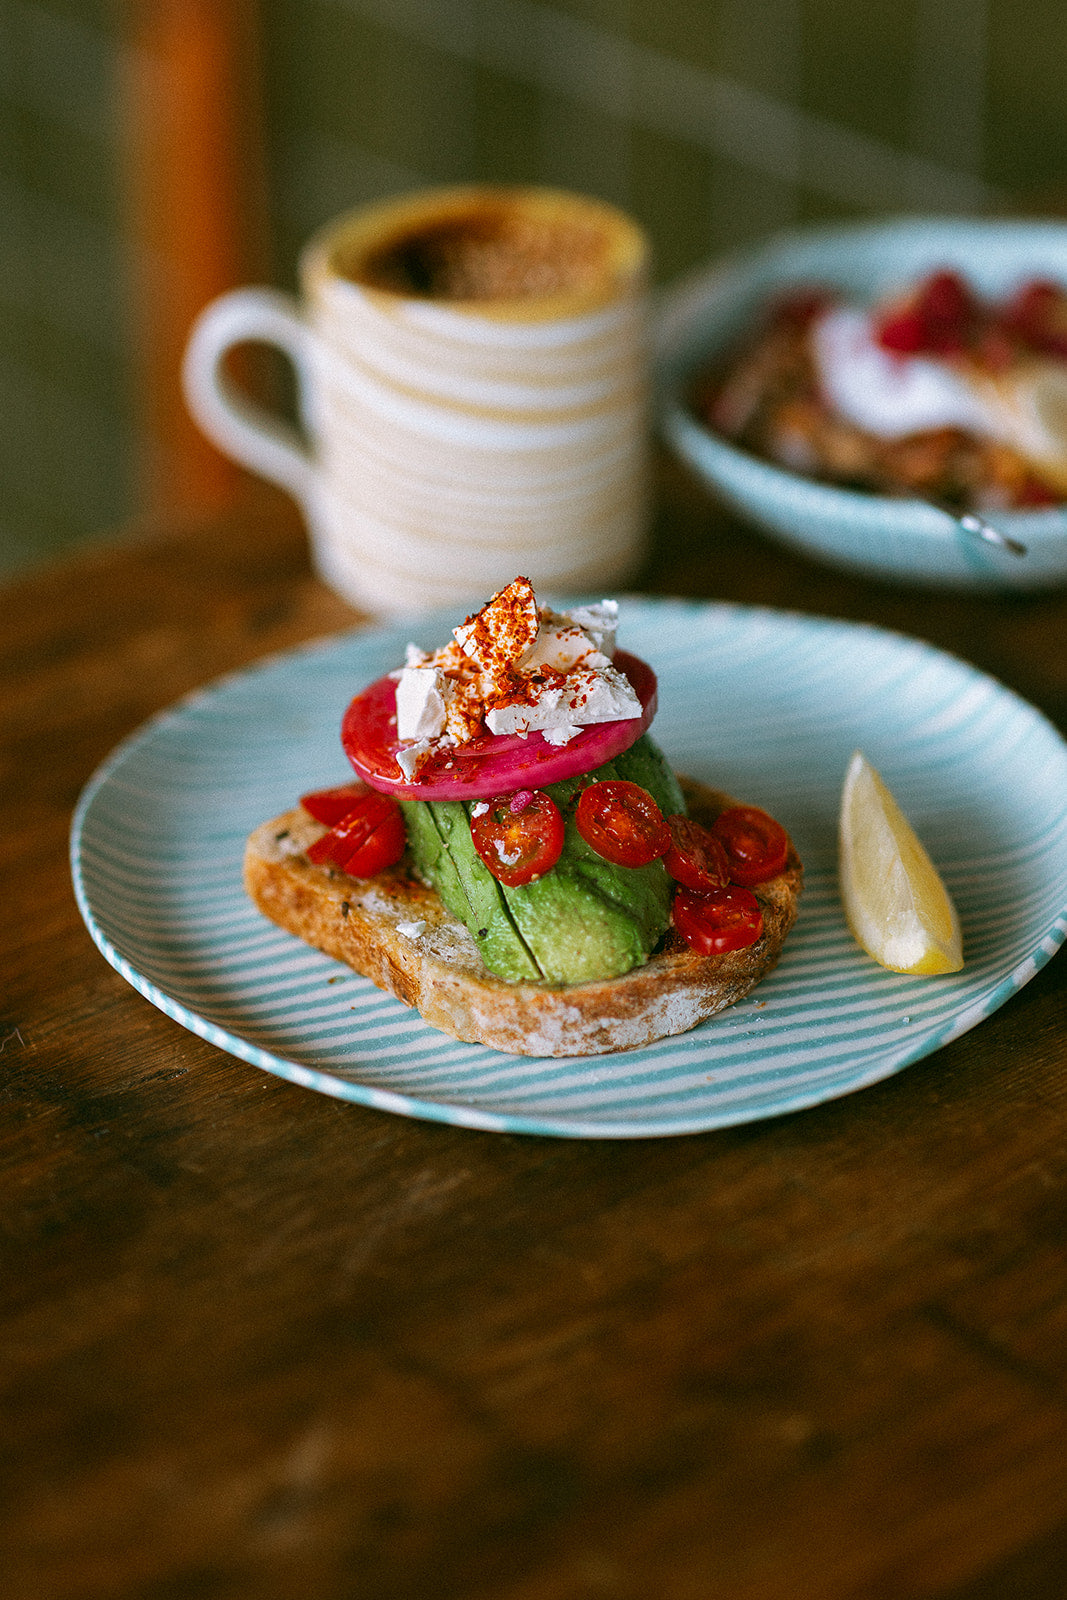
column 259, row 1343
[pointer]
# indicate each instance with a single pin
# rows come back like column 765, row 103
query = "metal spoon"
column 970, row 522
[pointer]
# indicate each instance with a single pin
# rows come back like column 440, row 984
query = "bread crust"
column 372, row 925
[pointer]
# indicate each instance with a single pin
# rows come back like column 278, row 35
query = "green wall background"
column 714, row 121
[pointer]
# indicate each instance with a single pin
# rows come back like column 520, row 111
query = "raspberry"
column 902, row 332
column 938, row 319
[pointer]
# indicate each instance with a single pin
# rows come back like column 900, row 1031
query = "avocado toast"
column 595, row 912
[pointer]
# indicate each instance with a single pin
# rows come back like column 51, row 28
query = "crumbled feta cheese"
column 479, row 808
column 609, row 697
column 414, row 656
column 409, row 756
column 420, row 703
column 411, row 930
column 562, row 645
column 503, row 630
column 513, row 668
column 584, row 697
column 600, row 622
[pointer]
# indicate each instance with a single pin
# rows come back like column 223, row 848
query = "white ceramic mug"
column 472, row 370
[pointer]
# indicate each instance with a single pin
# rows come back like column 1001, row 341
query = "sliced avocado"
column 645, row 763
column 585, row 919
column 434, row 863
column 440, row 838
column 644, row 893
column 492, row 929
column 576, row 933
column 427, row 846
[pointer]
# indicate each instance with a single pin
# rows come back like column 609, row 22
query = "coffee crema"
column 490, row 252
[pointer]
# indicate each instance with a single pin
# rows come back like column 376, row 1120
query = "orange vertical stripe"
column 196, row 215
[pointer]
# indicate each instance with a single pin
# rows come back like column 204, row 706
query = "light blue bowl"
column 902, row 540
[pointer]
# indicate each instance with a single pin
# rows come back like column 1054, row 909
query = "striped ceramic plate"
column 765, row 704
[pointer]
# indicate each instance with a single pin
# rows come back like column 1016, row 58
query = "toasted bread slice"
column 396, row 931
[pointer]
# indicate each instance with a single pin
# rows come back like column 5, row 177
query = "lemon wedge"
column 898, row 909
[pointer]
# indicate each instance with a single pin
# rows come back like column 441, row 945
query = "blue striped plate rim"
column 766, row 704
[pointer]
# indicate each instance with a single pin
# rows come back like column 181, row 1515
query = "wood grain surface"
column 258, row 1343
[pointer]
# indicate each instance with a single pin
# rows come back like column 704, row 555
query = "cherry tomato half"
column 622, row 822
column 696, row 858
column 724, row 919
column 332, row 805
column 369, row 838
column 518, row 845
column 756, row 846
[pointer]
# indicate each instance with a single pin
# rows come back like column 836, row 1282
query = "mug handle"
column 252, row 436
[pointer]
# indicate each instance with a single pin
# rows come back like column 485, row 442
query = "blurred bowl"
column 898, row 539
